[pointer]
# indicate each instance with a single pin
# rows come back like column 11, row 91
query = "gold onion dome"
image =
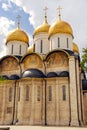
column 44, row 28
column 60, row 27
column 75, row 48
column 17, row 35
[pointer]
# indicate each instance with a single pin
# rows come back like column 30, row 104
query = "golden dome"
column 42, row 28
column 60, row 27
column 31, row 49
column 75, row 48
column 18, row 35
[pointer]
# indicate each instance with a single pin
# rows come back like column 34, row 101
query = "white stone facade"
column 42, row 37
column 65, row 42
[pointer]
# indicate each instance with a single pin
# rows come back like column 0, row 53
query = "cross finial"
column 18, row 17
column 59, row 14
column 45, row 16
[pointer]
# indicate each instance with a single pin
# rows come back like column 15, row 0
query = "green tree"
column 84, row 60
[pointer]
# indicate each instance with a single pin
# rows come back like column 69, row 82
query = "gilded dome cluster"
column 17, row 35
column 58, row 27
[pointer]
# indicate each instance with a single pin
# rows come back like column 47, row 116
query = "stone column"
column 73, row 93
column 79, row 92
column 57, row 102
column 43, row 102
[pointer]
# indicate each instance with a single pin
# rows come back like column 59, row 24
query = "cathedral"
column 43, row 84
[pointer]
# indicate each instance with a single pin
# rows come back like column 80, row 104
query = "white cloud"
column 5, row 25
column 6, row 6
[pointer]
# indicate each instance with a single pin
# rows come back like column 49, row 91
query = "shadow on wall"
column 5, row 128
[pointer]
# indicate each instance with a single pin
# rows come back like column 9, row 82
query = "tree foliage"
column 2, row 78
column 84, row 59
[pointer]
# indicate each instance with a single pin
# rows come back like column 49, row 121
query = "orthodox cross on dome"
column 45, row 16
column 18, row 17
column 59, row 14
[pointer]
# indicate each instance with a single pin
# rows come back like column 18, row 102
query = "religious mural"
column 57, row 59
column 32, row 61
column 9, row 64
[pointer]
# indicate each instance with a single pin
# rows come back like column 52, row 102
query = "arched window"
column 38, row 93
column 10, row 94
column 19, row 94
column 41, row 47
column 20, row 50
column 27, row 93
column 67, row 43
column 64, row 92
column 12, row 49
column 50, row 93
column 58, row 42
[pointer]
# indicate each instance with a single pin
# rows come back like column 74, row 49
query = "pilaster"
column 79, row 92
column 21, row 105
column 32, row 104
column 73, row 92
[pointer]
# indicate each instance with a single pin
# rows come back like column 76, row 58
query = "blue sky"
column 12, row 11
column 32, row 14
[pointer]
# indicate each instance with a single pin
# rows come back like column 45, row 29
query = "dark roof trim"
column 58, row 74
column 84, row 84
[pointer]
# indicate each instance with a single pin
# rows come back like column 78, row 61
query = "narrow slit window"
column 64, row 92
column 20, row 50
column 19, row 94
column 38, row 93
column 12, row 49
column 10, row 94
column 27, row 93
column 58, row 42
column 41, row 46
column 34, row 47
column 67, row 43
column 50, row 93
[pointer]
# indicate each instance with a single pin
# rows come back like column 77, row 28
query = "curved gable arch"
column 9, row 64
column 7, row 56
column 58, row 50
column 32, row 60
column 32, row 53
column 57, row 60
